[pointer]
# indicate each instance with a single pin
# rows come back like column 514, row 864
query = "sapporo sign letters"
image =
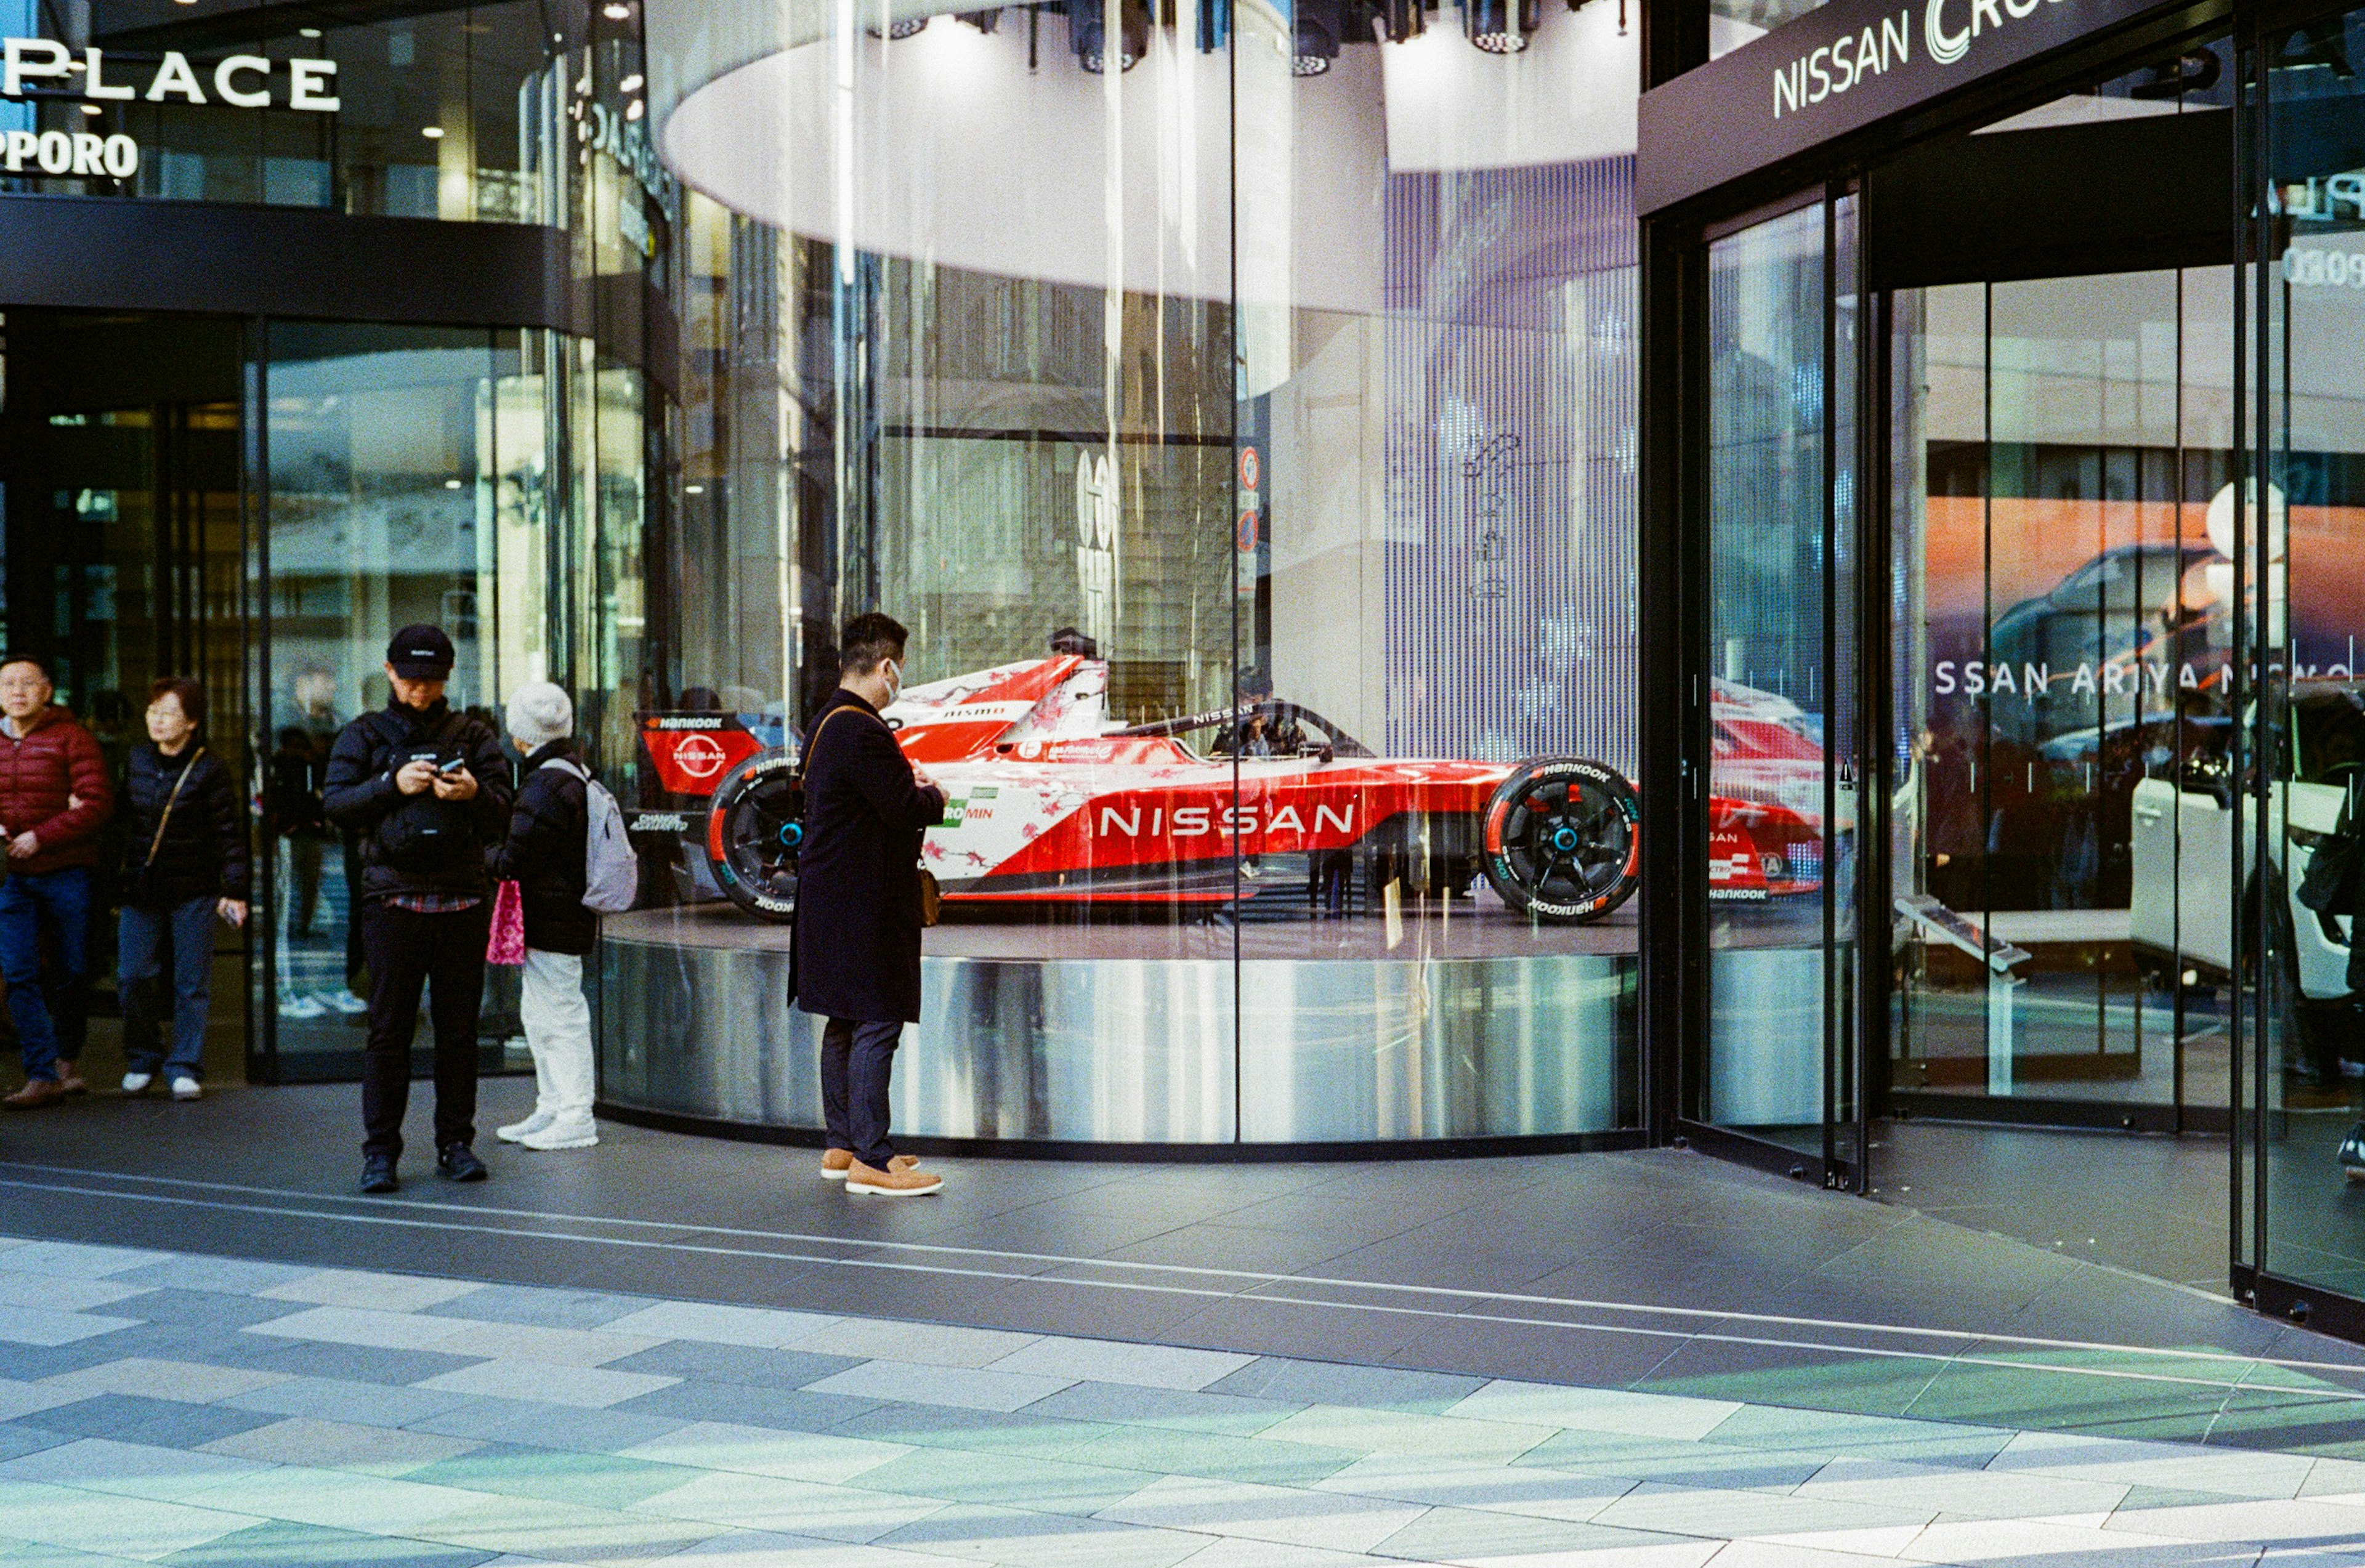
column 1837, row 68
column 44, row 66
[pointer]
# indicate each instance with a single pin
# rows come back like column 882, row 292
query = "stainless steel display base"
column 1471, row 1025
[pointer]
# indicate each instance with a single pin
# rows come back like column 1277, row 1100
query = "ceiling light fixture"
column 308, row 32
column 693, row 489
column 1499, row 26
column 1088, row 27
column 635, row 109
column 432, row 133
column 92, row 109
column 631, row 83
column 450, row 483
column 1319, row 28
column 616, row 12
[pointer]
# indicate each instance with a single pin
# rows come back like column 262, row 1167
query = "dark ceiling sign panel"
column 1836, row 70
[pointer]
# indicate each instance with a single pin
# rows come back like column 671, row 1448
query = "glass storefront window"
column 1246, row 434
column 1781, row 815
column 503, row 113
column 409, row 481
column 2294, row 597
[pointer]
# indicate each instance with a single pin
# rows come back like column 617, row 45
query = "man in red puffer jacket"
column 54, row 796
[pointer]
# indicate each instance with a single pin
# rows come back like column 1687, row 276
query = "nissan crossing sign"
column 1834, row 70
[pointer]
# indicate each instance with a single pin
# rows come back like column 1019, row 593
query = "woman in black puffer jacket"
column 184, row 862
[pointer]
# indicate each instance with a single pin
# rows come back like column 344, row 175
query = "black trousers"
column 856, row 1059
column 445, row 953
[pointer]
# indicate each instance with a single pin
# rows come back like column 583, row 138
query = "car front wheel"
column 754, row 834
column 1562, row 840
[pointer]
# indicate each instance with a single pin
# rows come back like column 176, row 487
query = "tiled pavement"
column 166, row 1408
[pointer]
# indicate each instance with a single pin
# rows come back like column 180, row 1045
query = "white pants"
column 559, row 1031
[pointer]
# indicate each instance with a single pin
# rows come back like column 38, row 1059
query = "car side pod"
column 1562, row 840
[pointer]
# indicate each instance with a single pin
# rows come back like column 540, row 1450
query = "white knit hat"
column 539, row 713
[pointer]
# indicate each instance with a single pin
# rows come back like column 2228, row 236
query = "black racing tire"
column 755, row 831
column 1562, row 840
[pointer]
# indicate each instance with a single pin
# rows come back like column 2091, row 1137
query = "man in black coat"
column 857, row 940
column 425, row 790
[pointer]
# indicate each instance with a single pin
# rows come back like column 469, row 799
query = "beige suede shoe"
column 836, row 1162
column 861, row 1178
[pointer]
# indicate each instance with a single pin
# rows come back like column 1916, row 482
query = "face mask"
column 894, row 683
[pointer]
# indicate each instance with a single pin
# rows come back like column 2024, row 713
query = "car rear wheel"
column 1562, row 840
column 754, row 834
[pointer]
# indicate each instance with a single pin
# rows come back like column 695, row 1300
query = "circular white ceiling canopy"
column 945, row 145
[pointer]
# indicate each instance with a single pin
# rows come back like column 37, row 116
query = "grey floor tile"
column 1005, row 1480
column 31, row 1363
column 1191, row 1412
column 218, row 1310
column 1023, row 1538
column 1462, row 1534
column 702, row 1360
column 238, row 1276
column 1324, row 1382
column 543, row 1306
column 1219, row 1456
column 338, row 1399
column 1677, row 1462
column 352, row 1363
column 108, row 1415
column 193, row 1426
column 747, row 1406
column 1028, row 1431
column 18, row 1438
column 590, row 1480
column 279, row 1543
column 548, row 1426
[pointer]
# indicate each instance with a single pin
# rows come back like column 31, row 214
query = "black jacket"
column 203, row 852
column 858, row 945
column 543, row 854
column 359, row 793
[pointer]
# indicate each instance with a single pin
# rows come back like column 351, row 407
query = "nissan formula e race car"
column 1048, row 802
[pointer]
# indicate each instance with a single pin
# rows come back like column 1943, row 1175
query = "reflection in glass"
column 408, row 483
column 1781, row 846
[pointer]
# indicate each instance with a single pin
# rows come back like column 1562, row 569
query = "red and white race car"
column 1050, row 801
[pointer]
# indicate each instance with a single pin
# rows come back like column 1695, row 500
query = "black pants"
column 856, row 1059
column 447, row 953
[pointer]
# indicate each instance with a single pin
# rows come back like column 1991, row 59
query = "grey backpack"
column 611, row 874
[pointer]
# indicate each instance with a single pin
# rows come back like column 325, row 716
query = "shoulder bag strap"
column 157, row 843
column 805, row 763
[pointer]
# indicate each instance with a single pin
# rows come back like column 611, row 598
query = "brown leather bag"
column 932, row 898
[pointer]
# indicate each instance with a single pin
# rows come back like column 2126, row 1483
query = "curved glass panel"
column 1238, row 411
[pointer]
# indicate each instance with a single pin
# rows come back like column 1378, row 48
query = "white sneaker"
column 134, row 1082
column 186, row 1087
column 517, row 1131
column 570, row 1132
column 345, row 1002
column 301, row 1007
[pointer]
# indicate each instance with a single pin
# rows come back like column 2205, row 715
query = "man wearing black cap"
column 424, row 789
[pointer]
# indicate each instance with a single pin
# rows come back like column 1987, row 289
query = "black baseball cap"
column 420, row 653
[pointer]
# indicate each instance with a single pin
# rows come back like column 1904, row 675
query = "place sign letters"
column 31, row 66
column 1837, row 69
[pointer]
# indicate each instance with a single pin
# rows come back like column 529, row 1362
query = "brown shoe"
column 36, row 1093
column 902, row 1184
column 69, row 1078
column 836, row 1162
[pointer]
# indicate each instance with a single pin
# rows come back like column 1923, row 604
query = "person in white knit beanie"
column 544, row 855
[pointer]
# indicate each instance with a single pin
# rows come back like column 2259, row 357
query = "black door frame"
column 1673, row 572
